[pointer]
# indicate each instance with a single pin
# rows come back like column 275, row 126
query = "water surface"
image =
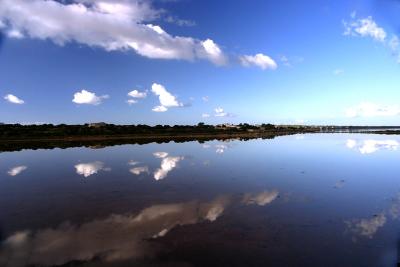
column 302, row 200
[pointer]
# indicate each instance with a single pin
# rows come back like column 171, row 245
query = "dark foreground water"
column 303, row 200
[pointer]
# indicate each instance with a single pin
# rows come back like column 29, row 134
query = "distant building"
column 97, row 124
column 227, row 126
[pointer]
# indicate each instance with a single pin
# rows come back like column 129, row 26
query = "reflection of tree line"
column 100, row 143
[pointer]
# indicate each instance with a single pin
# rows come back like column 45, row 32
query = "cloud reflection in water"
column 260, row 199
column 168, row 163
column 88, row 169
column 16, row 170
column 139, row 170
column 368, row 227
column 118, row 237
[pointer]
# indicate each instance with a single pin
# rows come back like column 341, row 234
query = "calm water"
column 303, row 200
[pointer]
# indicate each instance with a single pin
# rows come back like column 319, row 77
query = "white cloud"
column 86, row 97
column 131, row 101
column 205, row 115
column 13, row 99
column 371, row 146
column 137, row 94
column 167, row 100
column 156, row 28
column 16, row 34
column 365, row 27
column 168, row 163
column 220, row 112
column 259, row 60
column 108, row 24
column 213, row 52
column 159, row 109
column 16, row 170
column 88, row 169
column 368, row 109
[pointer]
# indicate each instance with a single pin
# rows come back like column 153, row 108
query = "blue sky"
column 312, row 62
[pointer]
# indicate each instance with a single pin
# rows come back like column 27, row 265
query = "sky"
column 189, row 61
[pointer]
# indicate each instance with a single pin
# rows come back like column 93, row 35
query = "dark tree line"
column 18, row 131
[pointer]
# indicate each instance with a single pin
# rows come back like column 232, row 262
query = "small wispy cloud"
column 180, row 22
column 364, row 27
column 368, row 109
column 258, row 60
column 290, row 61
column 205, row 98
column 338, row 72
column 367, row 27
column 220, row 112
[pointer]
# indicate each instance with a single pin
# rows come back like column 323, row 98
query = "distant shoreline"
column 19, row 137
column 102, row 141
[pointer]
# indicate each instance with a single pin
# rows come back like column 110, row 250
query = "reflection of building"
column 97, row 124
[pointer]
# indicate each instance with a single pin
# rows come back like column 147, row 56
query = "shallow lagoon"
column 300, row 200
